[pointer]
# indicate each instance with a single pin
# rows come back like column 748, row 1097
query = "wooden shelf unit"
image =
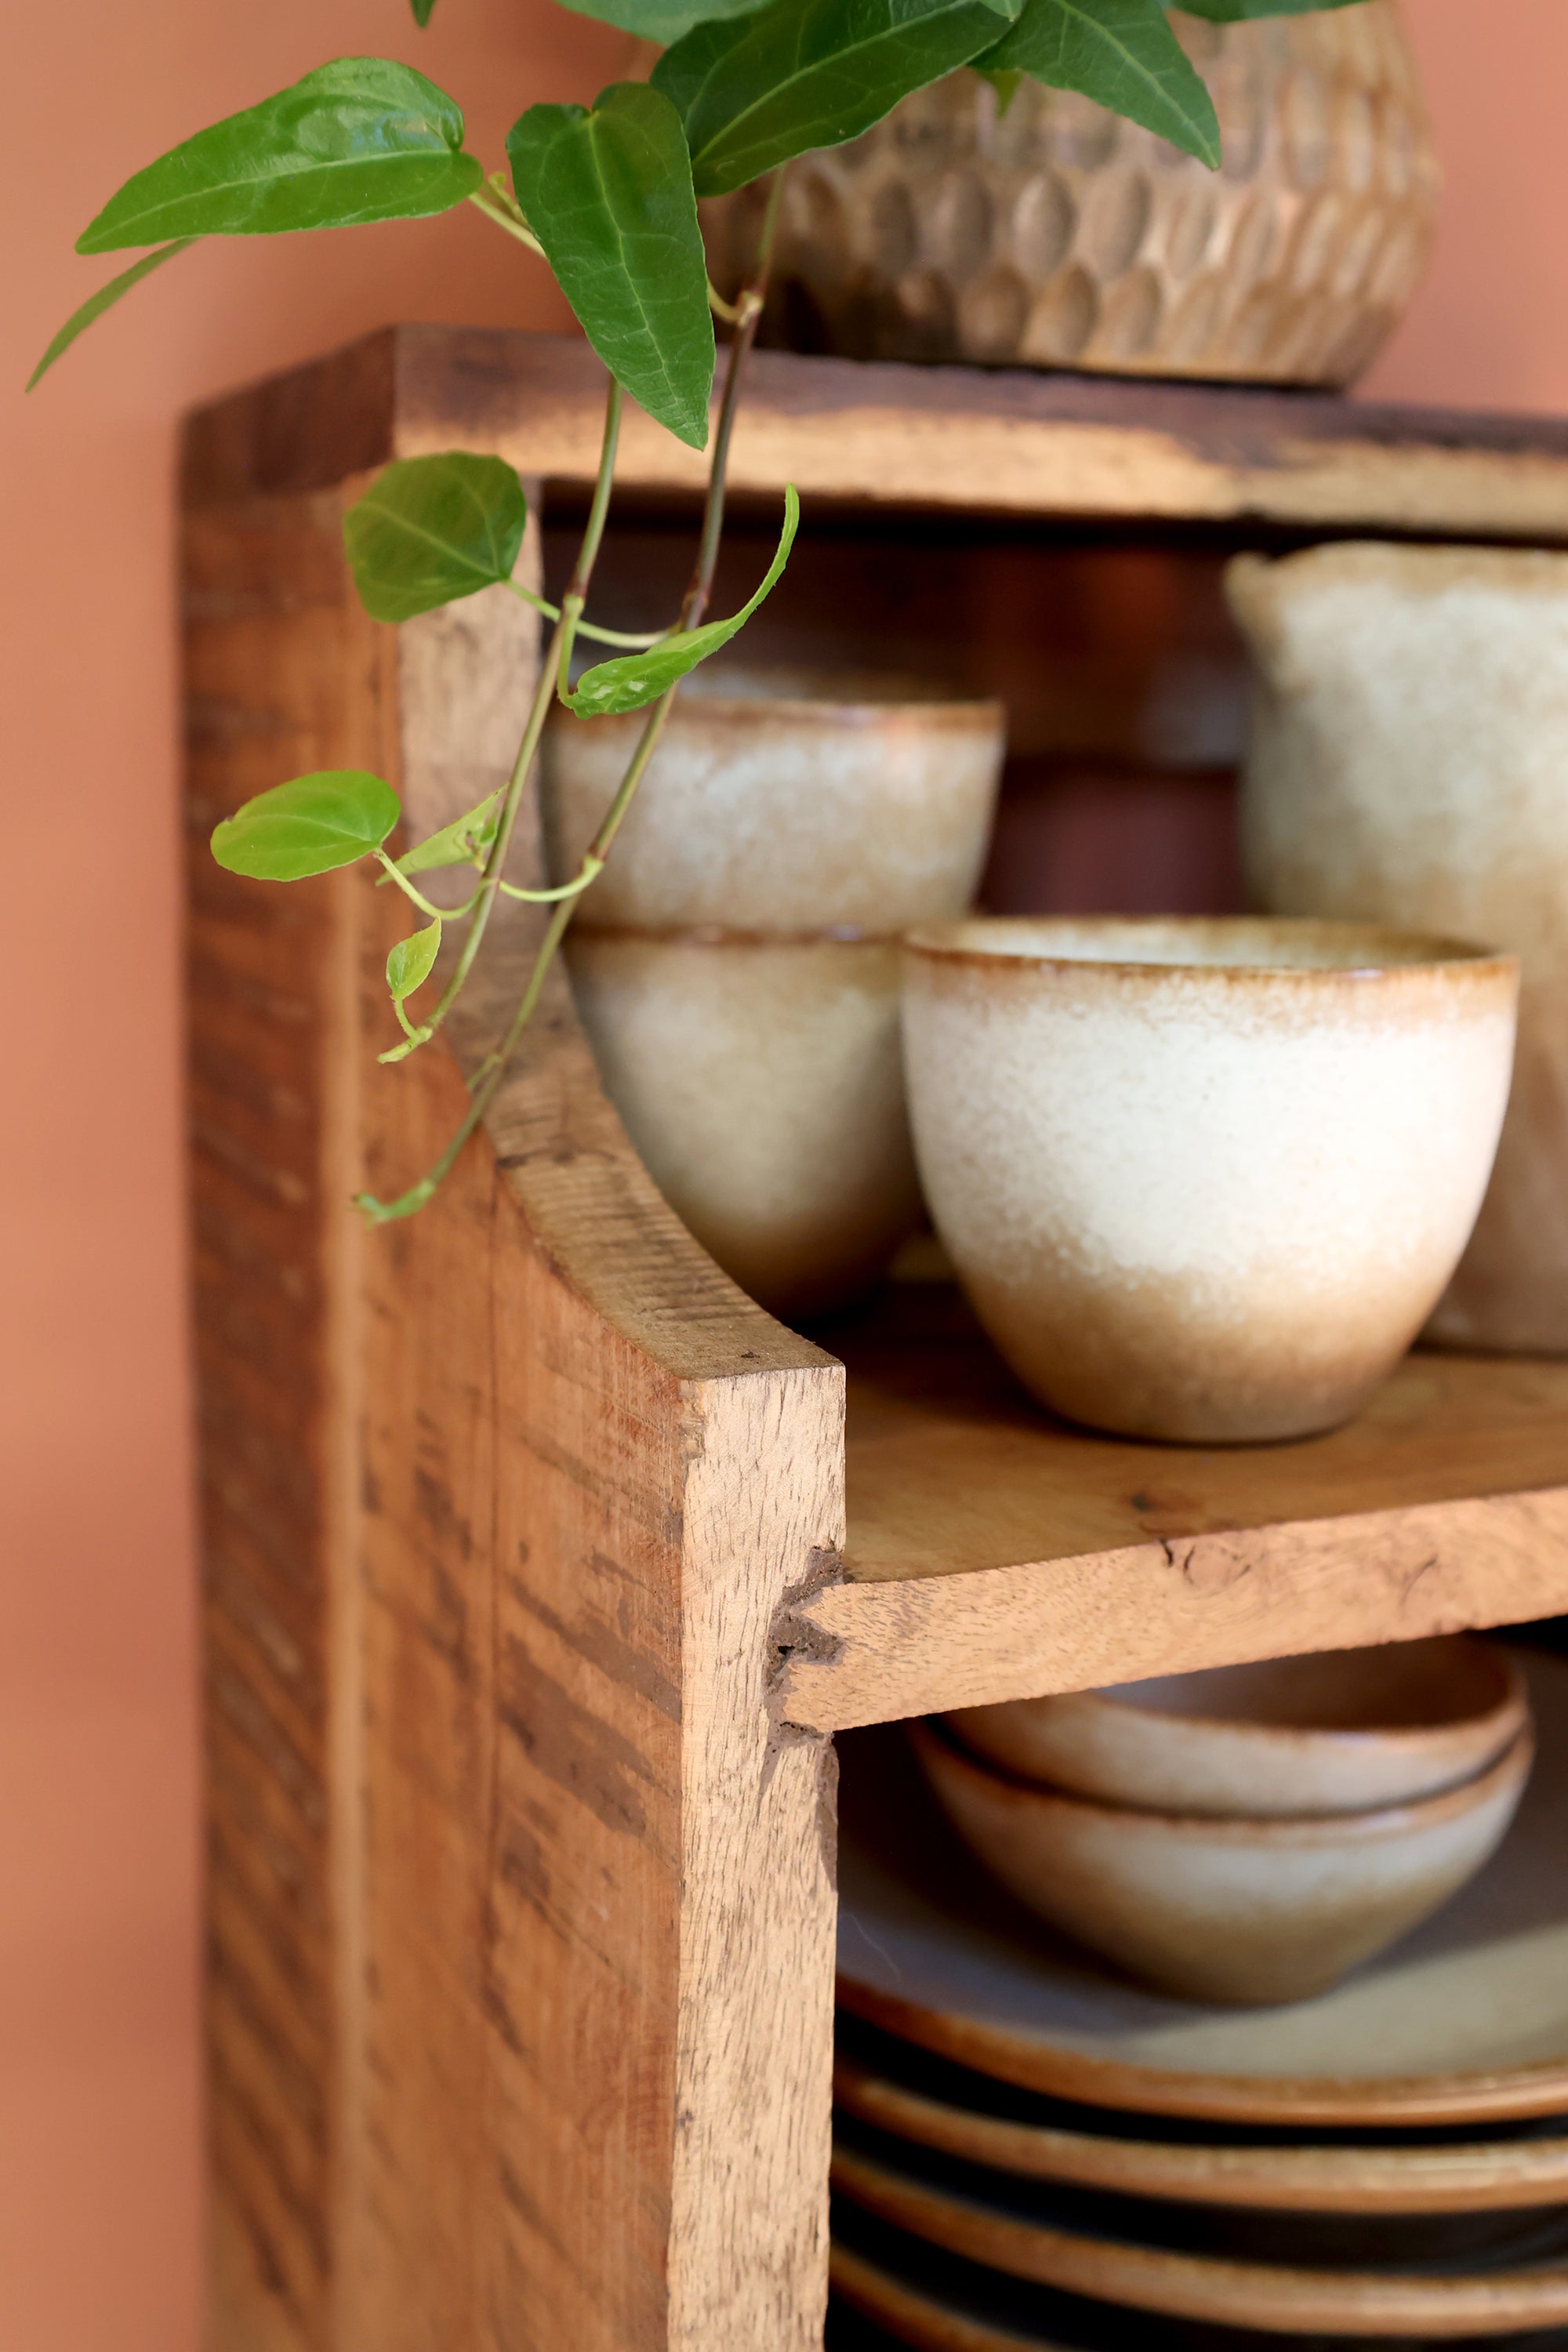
column 539, row 1572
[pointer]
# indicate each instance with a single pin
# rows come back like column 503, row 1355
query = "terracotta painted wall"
column 98, row 2116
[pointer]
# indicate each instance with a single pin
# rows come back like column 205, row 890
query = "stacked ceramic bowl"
column 1033, row 2150
column 737, row 964
column 1252, row 1832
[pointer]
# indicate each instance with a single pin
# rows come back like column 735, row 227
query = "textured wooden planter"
column 539, row 1569
column 1055, row 235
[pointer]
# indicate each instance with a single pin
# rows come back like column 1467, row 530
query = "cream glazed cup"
column 1203, row 1179
column 783, row 801
column 761, row 1081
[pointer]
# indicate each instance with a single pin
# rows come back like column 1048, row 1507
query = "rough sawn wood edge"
column 1002, row 443
column 874, row 1653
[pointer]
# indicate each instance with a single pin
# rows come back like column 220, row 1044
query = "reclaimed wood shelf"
column 538, row 1569
column 994, row 1553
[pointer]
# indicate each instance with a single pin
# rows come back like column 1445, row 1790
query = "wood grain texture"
column 521, row 1903
column 271, row 689
column 995, row 1553
column 943, row 439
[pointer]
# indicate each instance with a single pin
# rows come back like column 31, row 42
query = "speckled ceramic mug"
column 783, row 801
column 1204, row 1179
column 759, row 1079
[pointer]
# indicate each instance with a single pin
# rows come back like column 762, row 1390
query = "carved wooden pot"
column 1054, row 235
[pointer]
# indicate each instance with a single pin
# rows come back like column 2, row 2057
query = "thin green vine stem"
column 638, row 640
column 426, row 906
column 484, row 201
column 487, row 1077
column 588, row 873
column 556, row 657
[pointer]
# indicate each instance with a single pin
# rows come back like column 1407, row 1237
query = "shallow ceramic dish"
column 1340, row 1731
column 1083, row 2247
column 1464, row 2021
column 937, row 2302
column 934, row 2104
column 760, row 1080
column 1246, row 1911
column 782, row 803
column 1204, row 1179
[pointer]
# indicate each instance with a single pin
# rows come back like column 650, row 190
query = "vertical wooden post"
column 537, row 2051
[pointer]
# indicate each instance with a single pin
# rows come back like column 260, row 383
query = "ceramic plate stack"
column 1031, row 2152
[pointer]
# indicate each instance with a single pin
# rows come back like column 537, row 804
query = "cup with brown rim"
column 760, row 1079
column 781, row 801
column 1203, row 1179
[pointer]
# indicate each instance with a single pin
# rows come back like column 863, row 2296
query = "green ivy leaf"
column 660, row 20
column 423, row 10
column 412, row 961
column 1122, row 53
column 810, row 73
column 430, row 530
column 608, row 194
column 307, row 826
column 466, row 841
column 1232, row 12
column 635, row 679
column 362, row 139
column 104, row 299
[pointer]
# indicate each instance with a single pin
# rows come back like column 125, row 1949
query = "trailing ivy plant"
column 607, row 194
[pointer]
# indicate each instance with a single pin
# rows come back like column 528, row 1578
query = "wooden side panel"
column 273, row 689
column 521, row 1786
column 763, row 1519
column 521, row 1905
column 599, row 1907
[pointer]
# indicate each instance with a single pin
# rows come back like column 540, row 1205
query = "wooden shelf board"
column 994, row 1551
column 1001, row 443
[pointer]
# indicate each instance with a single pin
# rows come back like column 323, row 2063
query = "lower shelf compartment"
column 994, row 1551
column 1386, row 2161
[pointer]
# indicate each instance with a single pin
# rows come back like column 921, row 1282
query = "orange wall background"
column 99, row 2166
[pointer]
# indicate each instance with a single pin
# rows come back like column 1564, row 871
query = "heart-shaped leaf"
column 608, row 194
column 660, row 20
column 1122, row 53
column 423, row 10
column 308, row 826
column 430, row 530
column 464, row 842
column 811, row 73
column 104, row 299
column 412, row 961
column 364, row 139
column 635, row 679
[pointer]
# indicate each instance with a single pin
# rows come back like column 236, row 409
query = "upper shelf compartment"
column 994, row 1553
column 999, row 444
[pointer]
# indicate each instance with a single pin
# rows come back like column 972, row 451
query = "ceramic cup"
column 1338, row 1731
column 1238, row 1911
column 1203, row 1179
column 1409, row 740
column 779, row 802
column 760, row 1080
